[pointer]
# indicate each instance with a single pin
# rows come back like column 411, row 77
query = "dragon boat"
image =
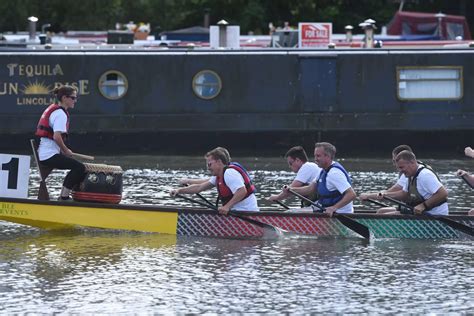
column 190, row 221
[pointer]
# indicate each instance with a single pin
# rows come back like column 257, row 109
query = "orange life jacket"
column 43, row 129
column 225, row 194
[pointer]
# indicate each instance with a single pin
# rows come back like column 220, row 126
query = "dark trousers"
column 75, row 176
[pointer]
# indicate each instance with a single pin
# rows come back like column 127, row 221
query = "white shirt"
column 48, row 147
column 336, row 180
column 308, row 173
column 428, row 184
column 402, row 181
column 234, row 181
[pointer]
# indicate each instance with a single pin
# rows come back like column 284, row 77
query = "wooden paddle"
column 346, row 221
column 451, row 223
column 207, row 204
column 43, row 194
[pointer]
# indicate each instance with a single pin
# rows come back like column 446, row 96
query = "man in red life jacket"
column 53, row 129
column 235, row 189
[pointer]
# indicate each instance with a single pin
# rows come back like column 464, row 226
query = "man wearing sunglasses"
column 53, row 129
column 233, row 183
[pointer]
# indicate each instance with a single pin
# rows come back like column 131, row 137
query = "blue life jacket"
column 326, row 197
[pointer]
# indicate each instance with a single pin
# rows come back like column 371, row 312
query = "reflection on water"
column 99, row 271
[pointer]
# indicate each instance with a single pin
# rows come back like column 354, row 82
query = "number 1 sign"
column 14, row 175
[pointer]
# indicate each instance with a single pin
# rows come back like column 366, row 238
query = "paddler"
column 335, row 193
column 234, row 187
column 306, row 172
column 398, row 186
column 423, row 190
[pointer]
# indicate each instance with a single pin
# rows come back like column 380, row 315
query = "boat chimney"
column 207, row 14
column 32, row 27
column 348, row 29
column 222, row 33
column 440, row 17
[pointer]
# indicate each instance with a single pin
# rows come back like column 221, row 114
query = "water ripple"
column 108, row 272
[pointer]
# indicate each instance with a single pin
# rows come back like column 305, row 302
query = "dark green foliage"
column 251, row 15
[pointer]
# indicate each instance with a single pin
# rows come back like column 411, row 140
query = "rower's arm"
column 376, row 195
column 470, row 179
column 58, row 138
column 398, row 195
column 436, row 199
column 239, row 195
column 393, row 188
column 192, row 189
column 284, row 194
column 306, row 190
column 187, row 181
column 349, row 196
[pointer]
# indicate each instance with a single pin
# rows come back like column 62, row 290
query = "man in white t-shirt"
column 402, row 182
column 335, row 193
column 306, row 172
column 233, row 183
column 423, row 191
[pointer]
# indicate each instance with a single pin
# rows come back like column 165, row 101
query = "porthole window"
column 207, row 84
column 113, row 85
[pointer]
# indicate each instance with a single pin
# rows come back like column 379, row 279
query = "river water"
column 108, row 272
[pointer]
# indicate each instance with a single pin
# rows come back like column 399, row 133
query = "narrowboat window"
column 454, row 30
column 113, row 85
column 207, row 84
column 430, row 83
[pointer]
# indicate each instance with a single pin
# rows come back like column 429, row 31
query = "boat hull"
column 202, row 222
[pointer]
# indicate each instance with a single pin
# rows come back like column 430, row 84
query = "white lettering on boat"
column 34, row 70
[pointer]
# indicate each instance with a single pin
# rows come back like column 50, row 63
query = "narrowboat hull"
column 277, row 97
column 202, row 222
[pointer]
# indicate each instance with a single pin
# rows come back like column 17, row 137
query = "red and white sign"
column 314, row 34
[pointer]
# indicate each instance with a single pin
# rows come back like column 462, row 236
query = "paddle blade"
column 43, row 194
column 354, row 225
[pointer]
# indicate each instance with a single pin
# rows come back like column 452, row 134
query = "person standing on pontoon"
column 469, row 178
column 306, row 172
column 423, row 190
column 335, row 193
column 234, row 187
column 52, row 129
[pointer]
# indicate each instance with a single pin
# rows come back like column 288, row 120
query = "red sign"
column 314, row 34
